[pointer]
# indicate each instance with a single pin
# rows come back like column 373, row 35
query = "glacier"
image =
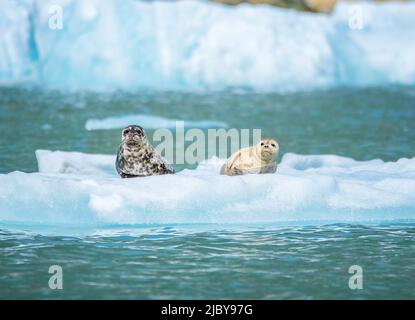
column 194, row 45
column 78, row 189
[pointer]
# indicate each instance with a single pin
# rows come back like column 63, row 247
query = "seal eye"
column 262, row 144
column 273, row 144
column 126, row 132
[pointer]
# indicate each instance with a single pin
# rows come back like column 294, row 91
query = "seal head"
column 267, row 150
column 133, row 135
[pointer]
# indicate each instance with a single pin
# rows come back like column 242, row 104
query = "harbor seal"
column 136, row 157
column 257, row 159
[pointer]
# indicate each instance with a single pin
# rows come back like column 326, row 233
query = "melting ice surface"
column 83, row 189
column 128, row 44
column 147, row 121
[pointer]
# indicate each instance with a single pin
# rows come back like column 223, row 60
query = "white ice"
column 147, row 121
column 77, row 189
column 126, row 44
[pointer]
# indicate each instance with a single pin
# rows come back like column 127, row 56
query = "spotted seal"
column 136, row 157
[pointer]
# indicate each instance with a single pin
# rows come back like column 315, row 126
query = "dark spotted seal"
column 136, row 157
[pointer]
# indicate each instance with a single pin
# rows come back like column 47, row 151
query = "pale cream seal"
column 261, row 158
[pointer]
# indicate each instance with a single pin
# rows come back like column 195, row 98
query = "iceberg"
column 148, row 122
column 78, row 189
column 77, row 163
column 196, row 45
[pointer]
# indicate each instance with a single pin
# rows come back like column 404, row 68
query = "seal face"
column 257, row 159
column 136, row 157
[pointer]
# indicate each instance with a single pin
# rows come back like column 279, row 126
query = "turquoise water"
column 363, row 124
column 253, row 260
column 196, row 262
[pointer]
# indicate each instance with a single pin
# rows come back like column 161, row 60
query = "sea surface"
column 221, row 262
column 258, row 260
column 361, row 123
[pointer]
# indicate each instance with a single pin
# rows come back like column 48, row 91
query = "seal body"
column 136, row 157
column 257, row 159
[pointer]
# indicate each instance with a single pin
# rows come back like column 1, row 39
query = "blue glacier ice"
column 78, row 189
column 126, row 44
column 148, row 122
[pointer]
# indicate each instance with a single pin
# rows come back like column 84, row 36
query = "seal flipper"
column 125, row 175
column 119, row 163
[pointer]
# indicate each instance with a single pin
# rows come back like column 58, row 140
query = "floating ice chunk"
column 147, row 122
column 333, row 189
column 76, row 163
column 302, row 162
column 344, row 166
